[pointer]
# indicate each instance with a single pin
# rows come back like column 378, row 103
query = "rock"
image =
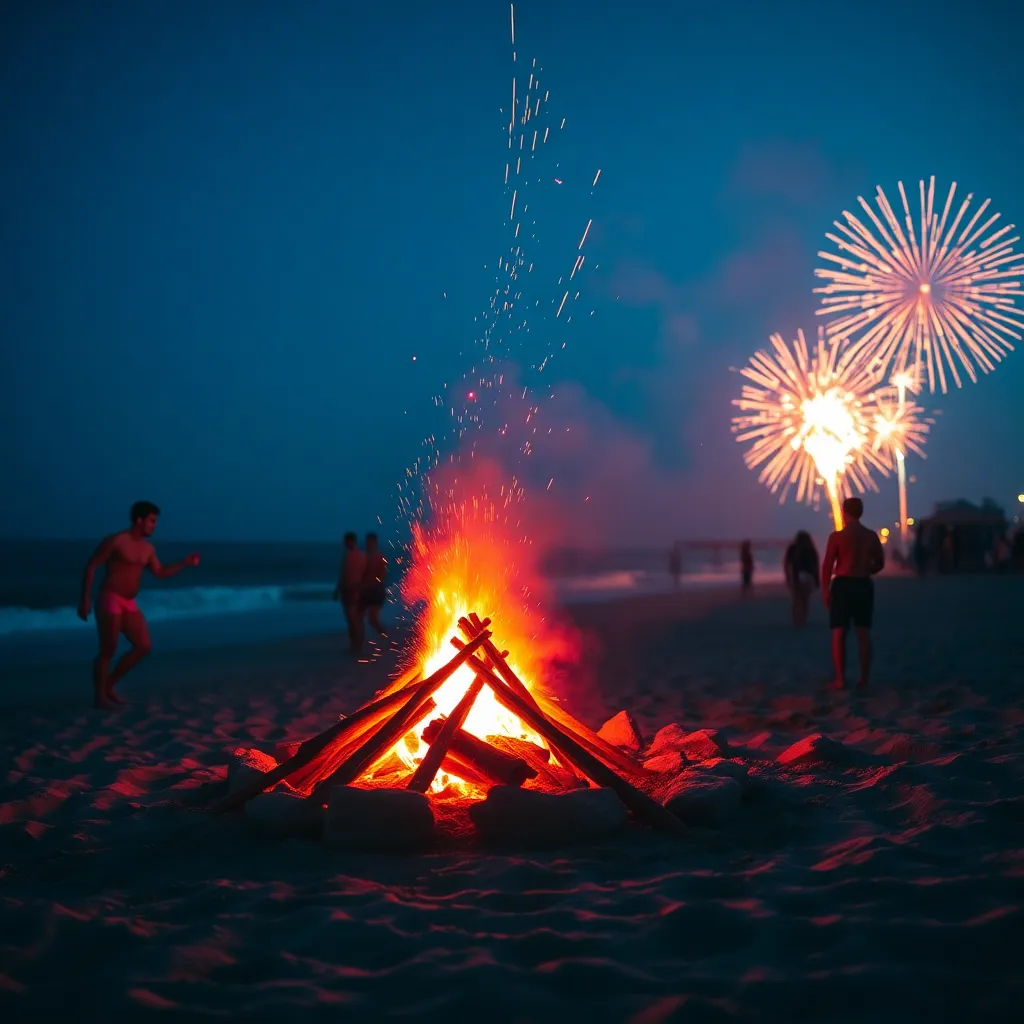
column 247, row 764
column 703, row 799
column 671, row 761
column 814, row 749
column 622, row 731
column 526, row 817
column 285, row 814
column 902, row 747
column 286, row 751
column 670, row 737
column 378, row 820
column 722, row 768
column 704, row 744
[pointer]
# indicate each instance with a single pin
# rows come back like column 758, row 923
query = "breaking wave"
column 177, row 603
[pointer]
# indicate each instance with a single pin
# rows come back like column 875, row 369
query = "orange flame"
column 471, row 561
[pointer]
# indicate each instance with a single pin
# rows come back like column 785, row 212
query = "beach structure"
column 960, row 536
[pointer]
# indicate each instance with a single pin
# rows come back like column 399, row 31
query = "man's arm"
column 877, row 555
column 828, row 564
column 99, row 557
column 163, row 571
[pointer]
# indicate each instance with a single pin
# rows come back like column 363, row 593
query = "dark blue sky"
column 228, row 227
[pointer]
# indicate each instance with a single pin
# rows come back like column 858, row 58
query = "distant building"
column 960, row 536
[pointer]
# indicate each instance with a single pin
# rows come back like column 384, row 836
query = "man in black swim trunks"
column 854, row 554
column 374, row 589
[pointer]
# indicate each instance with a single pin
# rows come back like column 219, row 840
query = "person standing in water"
column 854, row 554
column 675, row 564
column 125, row 555
column 374, row 589
column 801, row 568
column 349, row 590
column 746, row 567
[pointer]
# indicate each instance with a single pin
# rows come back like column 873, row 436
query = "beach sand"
column 882, row 882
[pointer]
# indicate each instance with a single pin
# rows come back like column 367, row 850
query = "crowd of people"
column 853, row 556
column 362, row 588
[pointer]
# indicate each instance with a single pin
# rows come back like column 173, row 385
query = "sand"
column 882, row 882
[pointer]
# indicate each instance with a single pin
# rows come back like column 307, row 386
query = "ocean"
column 243, row 593
column 40, row 581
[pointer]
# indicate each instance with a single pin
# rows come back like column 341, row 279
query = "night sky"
column 228, row 227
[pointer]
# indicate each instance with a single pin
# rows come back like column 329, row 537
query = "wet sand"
column 879, row 880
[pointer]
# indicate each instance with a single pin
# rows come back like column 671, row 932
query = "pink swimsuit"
column 116, row 604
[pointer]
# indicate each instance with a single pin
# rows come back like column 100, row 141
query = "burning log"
column 366, row 718
column 407, row 717
column 566, row 746
column 487, row 759
column 524, row 749
column 551, row 775
column 401, row 682
column 326, row 763
column 424, row 774
column 471, row 626
column 454, row 765
column 589, row 740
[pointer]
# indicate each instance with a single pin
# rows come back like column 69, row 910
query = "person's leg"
column 354, row 615
column 864, row 652
column 839, row 657
column 839, row 620
column 108, row 627
column 803, row 600
column 133, row 625
column 375, row 620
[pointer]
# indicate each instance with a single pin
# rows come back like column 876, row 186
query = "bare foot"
column 837, row 684
column 102, row 704
column 115, row 697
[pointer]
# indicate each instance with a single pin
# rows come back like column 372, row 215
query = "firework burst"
column 929, row 299
column 806, row 413
column 897, row 426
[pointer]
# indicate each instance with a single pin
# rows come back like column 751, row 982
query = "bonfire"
column 536, row 739
column 464, row 716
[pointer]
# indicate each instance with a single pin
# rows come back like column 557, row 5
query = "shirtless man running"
column 854, row 554
column 125, row 555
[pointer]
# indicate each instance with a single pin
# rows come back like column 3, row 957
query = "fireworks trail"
column 807, row 414
column 928, row 299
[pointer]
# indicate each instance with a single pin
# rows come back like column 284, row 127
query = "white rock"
column 703, row 799
column 704, row 744
column 670, row 737
column 622, row 731
column 285, row 814
column 529, row 818
column 382, row 820
column 724, row 769
column 669, row 761
column 247, row 764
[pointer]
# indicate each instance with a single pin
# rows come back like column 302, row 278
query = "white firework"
column 933, row 299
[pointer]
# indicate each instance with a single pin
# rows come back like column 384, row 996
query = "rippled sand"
column 882, row 884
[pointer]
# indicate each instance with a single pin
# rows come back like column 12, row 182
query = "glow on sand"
column 933, row 298
column 805, row 413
